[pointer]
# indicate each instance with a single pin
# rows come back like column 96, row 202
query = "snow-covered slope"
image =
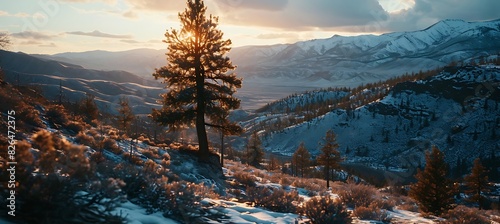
column 457, row 110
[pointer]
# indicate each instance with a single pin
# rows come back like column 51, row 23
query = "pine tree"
column 199, row 85
column 477, row 182
column 433, row 191
column 330, row 156
column 126, row 116
column 88, row 108
column 255, row 150
column 301, row 159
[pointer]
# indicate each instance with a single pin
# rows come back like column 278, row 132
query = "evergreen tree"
column 330, row 157
column 255, row 150
column 433, row 191
column 199, row 85
column 301, row 159
column 88, row 108
column 126, row 116
column 477, row 182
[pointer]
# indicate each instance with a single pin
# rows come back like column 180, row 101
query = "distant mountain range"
column 273, row 72
column 107, row 86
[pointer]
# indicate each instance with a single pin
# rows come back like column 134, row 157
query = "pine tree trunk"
column 222, row 148
column 327, row 169
column 200, row 114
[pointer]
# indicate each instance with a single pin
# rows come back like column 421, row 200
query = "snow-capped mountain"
column 456, row 110
column 354, row 60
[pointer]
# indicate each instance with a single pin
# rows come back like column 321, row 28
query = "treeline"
column 305, row 107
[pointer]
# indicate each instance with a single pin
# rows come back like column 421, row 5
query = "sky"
column 55, row 26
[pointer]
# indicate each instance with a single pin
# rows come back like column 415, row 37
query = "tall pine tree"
column 301, row 160
column 433, row 191
column 330, row 156
column 197, row 76
column 477, row 182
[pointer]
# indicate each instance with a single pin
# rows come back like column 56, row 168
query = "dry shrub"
column 57, row 114
column 308, row 184
column 74, row 126
column 325, row 209
column 165, row 163
column 285, row 181
column 134, row 159
column 82, row 138
column 179, row 200
column 113, row 134
column 356, row 195
column 406, row 203
column 111, row 145
column 372, row 212
column 277, row 200
column 245, row 178
column 463, row 214
column 151, row 153
column 97, row 157
column 27, row 115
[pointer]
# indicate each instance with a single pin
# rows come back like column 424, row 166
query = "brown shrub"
column 151, row 153
column 356, row 195
column 372, row 212
column 83, row 139
column 74, row 126
column 110, row 145
column 463, row 214
column 308, row 184
column 277, row 200
column 245, row 178
column 57, row 114
column 325, row 209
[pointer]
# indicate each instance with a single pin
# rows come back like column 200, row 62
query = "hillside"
column 456, row 109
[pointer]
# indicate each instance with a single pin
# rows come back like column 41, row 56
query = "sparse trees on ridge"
column 198, row 78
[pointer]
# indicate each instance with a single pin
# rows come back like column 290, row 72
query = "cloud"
column 97, row 33
column 130, row 14
column 110, row 2
column 130, row 41
column 158, row 5
column 33, row 35
column 48, row 45
column 274, row 5
column 427, row 12
column 308, row 15
column 19, row 14
column 31, row 42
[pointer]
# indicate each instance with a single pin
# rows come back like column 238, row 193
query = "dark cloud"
column 97, row 33
column 313, row 14
column 273, row 5
column 427, row 12
column 33, row 35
